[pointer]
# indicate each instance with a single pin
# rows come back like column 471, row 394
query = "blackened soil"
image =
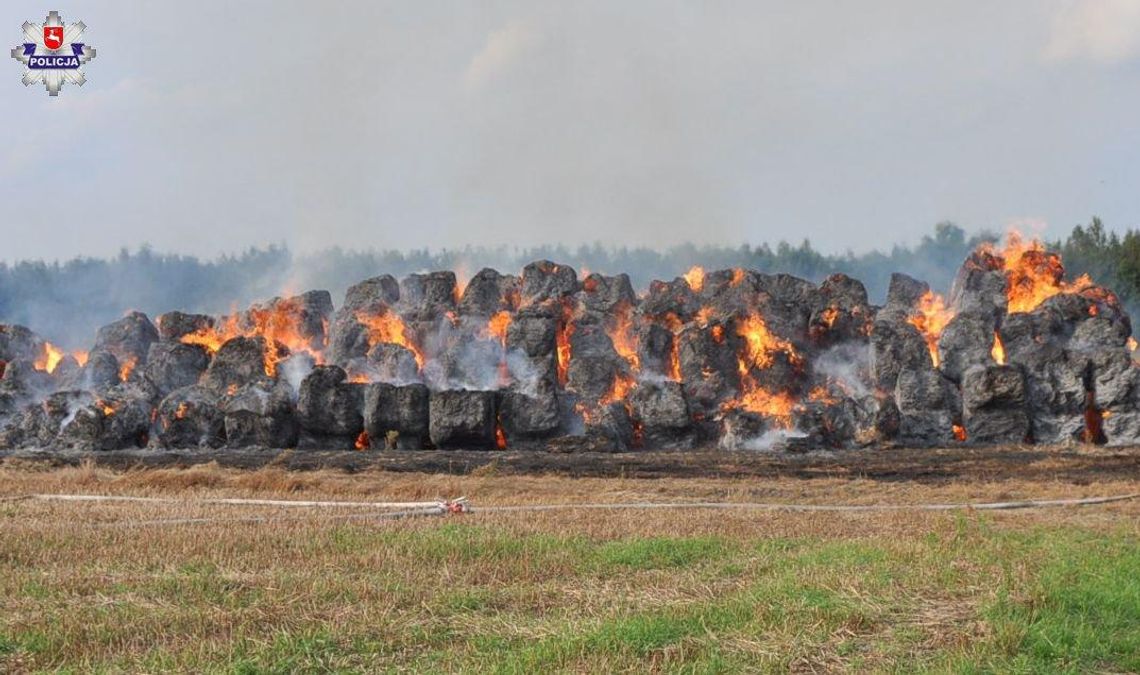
column 1073, row 465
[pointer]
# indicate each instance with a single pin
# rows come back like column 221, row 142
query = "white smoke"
column 846, row 365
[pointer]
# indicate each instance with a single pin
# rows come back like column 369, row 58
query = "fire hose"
column 461, row 505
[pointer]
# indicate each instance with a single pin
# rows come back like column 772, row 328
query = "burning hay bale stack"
column 548, row 359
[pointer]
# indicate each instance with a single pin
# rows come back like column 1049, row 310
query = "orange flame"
column 695, row 278
column 498, row 325
column 624, row 336
column 500, row 435
column 279, row 324
column 673, row 323
column 758, row 351
column 821, row 395
column 180, row 413
column 959, row 433
column 107, row 408
column 49, row 358
column 389, row 327
column 80, row 357
column 1132, row 344
column 619, row 390
column 1033, row 274
column 562, row 337
column 760, row 344
column 127, row 367
column 931, row 320
column 362, row 441
column 998, row 351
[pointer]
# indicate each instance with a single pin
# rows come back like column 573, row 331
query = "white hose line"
column 981, row 506
column 224, row 501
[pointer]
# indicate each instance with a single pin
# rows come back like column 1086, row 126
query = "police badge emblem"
column 52, row 53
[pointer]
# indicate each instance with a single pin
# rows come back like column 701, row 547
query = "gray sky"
column 208, row 127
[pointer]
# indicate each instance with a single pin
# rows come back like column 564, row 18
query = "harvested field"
column 134, row 586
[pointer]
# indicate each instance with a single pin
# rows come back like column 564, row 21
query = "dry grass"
column 309, row 590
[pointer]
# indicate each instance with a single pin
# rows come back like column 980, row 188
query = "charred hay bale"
column 663, row 415
column 732, row 292
column 389, row 362
column 887, row 419
column 929, row 407
column 68, row 374
column 257, row 415
column 743, row 430
column 904, row 293
column 107, row 424
column 605, row 294
column 173, row 365
column 1115, row 382
column 239, row 361
column 1114, row 378
column 19, row 343
column 980, row 285
column 424, row 297
column 135, row 388
column 670, row 298
column 655, row 348
column 966, row 341
column 1056, row 384
column 707, row 357
column 545, row 283
column 594, row 363
column 488, row 293
column 532, row 334
column 126, row 421
column 994, row 404
column 841, row 313
column 530, row 344
column 372, row 296
column 1100, row 332
column 830, row 424
column 397, row 414
column 461, row 418
column 348, row 340
column 176, row 325
column 786, row 304
column 129, row 338
column 101, row 372
column 1121, row 427
column 190, row 417
column 50, row 417
column 528, row 416
column 606, row 427
column 896, row 345
column 329, row 409
column 82, row 429
column 1026, row 335
column 840, row 290
column 24, row 375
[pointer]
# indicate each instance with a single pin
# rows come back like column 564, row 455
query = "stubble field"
column 186, row 586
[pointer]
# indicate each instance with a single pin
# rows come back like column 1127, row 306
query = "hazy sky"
column 207, row 127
